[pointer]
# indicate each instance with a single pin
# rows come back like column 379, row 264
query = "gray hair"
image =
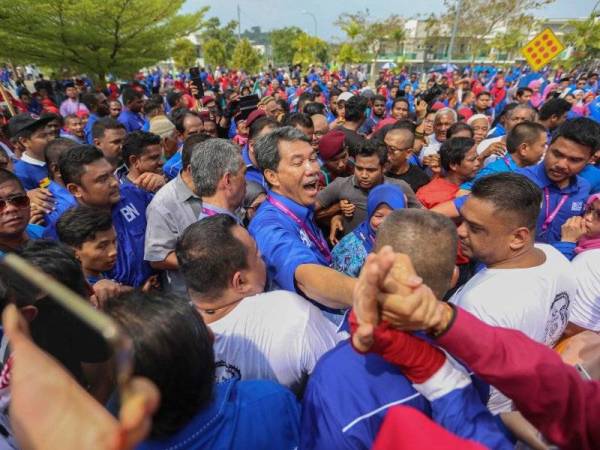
column 445, row 112
column 212, row 160
column 532, row 111
column 267, row 146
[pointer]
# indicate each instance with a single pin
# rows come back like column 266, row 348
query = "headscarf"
column 388, row 194
column 588, row 243
column 536, row 98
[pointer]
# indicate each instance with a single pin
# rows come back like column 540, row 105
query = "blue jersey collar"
column 302, row 212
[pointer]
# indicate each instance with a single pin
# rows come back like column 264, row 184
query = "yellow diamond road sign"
column 542, row 49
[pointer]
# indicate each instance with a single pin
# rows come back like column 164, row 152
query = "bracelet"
column 440, row 333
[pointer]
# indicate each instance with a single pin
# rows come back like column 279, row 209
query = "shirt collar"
column 182, row 191
column 540, row 170
column 302, row 212
column 29, row 160
column 246, row 156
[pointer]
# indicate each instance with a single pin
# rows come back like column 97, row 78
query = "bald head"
column 400, row 138
column 428, row 238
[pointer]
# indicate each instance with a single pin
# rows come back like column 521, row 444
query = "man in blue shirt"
column 293, row 247
column 194, row 412
column 131, row 115
column 98, row 106
column 564, row 192
column 63, row 199
column 30, row 132
column 186, row 123
column 89, row 178
column 258, row 127
column 142, row 155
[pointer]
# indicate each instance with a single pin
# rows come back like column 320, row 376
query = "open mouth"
column 311, row 187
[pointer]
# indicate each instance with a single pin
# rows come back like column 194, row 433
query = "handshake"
column 389, row 299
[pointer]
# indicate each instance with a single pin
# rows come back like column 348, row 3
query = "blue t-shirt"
column 242, row 415
column 283, row 244
column 252, row 173
column 576, row 195
column 29, row 174
column 592, row 175
column 173, row 166
column 64, row 201
column 501, row 165
column 88, row 128
column 131, row 120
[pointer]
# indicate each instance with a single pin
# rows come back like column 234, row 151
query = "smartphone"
column 197, row 81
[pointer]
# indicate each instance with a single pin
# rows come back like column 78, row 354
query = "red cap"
column 465, row 113
column 207, row 99
column 256, row 114
column 331, row 144
column 437, row 106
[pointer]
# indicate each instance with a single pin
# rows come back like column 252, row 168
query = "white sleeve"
column 585, row 306
column 320, row 335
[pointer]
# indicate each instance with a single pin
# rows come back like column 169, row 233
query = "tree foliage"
column 246, row 58
column 349, row 54
column 584, row 38
column 96, row 37
column 309, row 50
column 215, row 53
column 282, row 43
column 218, row 42
column 184, row 53
column 477, row 20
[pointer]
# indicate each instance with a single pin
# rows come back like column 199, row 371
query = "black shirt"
column 415, row 177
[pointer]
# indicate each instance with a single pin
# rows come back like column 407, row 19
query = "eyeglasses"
column 18, row 201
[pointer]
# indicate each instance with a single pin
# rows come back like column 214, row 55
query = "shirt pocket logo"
column 305, row 239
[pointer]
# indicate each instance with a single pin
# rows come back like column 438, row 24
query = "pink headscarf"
column 588, row 243
column 536, row 98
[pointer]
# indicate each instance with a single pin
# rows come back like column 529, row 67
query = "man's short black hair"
column 513, row 194
column 482, row 93
column 7, row 175
column 312, row 108
column 54, row 149
column 378, row 98
column 554, row 107
column 373, row 147
column 453, row 151
column 525, row 132
column 179, row 118
column 582, row 130
column 136, row 142
column 173, row 349
column 129, row 95
column 173, row 97
column 153, row 103
column 80, row 224
column 190, row 144
column 90, row 100
column 72, row 162
column 103, row 124
column 260, row 124
column 522, row 90
column 355, row 108
column 209, row 255
column 297, row 119
column 457, row 127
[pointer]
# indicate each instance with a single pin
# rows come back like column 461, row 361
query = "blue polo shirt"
column 241, row 415
column 577, row 191
column 283, row 244
column 92, row 119
column 63, row 201
column 501, row 165
column 592, row 174
column 132, row 121
column 252, row 172
column 129, row 220
column 173, row 166
column 30, row 174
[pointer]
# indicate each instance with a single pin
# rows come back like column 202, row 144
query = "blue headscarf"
column 388, row 194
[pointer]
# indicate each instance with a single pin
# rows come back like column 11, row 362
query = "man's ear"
column 520, row 238
column 238, row 282
column 455, row 277
column 271, row 177
column 74, row 189
column 30, row 312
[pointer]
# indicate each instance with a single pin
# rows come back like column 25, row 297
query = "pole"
column 239, row 23
column 454, row 30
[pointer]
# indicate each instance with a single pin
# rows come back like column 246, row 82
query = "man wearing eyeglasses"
column 399, row 143
column 15, row 229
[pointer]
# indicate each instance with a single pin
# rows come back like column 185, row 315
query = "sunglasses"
column 18, row 201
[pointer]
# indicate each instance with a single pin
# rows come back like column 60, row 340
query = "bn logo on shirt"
column 130, row 212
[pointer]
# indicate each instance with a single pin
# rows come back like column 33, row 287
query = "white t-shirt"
column 533, row 300
column 483, row 145
column 276, row 336
column 585, row 307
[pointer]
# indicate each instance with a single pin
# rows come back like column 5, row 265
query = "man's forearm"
column 169, row 263
column 324, row 215
column 325, row 286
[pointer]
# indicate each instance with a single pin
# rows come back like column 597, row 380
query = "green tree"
column 96, row 37
column 282, row 42
column 349, row 54
column 184, row 53
column 584, row 38
column 225, row 35
column 511, row 41
column 246, row 57
column 215, row 53
column 309, row 50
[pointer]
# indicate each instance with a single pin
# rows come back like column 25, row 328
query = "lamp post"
column 314, row 18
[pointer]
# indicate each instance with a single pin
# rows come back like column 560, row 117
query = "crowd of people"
column 305, row 259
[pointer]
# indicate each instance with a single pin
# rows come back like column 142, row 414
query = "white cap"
column 345, row 96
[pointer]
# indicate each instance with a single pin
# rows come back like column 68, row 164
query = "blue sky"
column 269, row 14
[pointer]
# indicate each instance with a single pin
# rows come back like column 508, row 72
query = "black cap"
column 21, row 122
